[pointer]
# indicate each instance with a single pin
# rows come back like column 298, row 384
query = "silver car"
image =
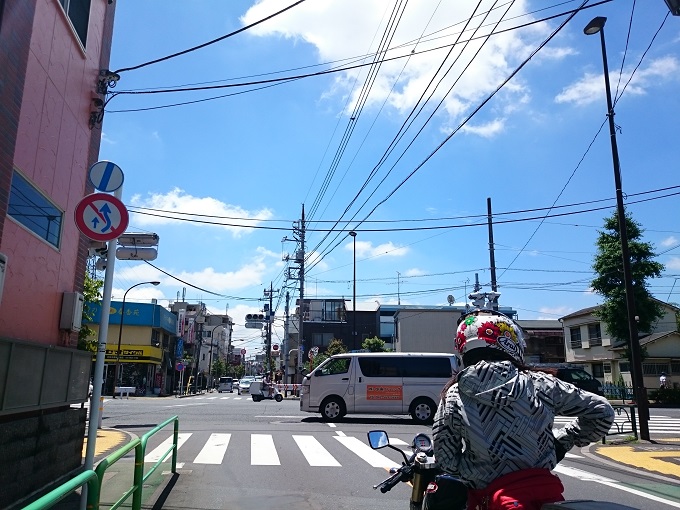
column 244, row 385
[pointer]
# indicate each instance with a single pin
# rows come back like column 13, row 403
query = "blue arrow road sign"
column 105, row 176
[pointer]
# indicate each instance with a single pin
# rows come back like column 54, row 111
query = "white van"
column 225, row 384
column 378, row 383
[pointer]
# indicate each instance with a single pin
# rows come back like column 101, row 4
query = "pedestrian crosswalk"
column 622, row 424
column 194, row 448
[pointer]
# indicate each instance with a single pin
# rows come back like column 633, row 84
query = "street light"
column 120, row 332
column 354, row 292
column 595, row 26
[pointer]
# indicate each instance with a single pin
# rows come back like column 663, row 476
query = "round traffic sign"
column 101, row 217
column 275, row 347
column 243, row 352
column 105, row 176
column 179, row 367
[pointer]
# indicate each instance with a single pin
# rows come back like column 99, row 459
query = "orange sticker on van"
column 384, row 392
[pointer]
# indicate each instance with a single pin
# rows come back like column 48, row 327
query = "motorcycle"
column 258, row 392
column 432, row 489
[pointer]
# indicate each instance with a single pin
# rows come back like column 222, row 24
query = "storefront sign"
column 134, row 354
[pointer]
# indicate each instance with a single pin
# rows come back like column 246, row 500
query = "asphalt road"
column 238, row 454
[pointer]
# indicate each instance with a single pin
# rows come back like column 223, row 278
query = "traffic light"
column 254, row 320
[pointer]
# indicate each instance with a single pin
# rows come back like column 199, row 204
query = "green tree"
column 336, row 346
column 609, row 282
column 91, row 294
column 374, row 345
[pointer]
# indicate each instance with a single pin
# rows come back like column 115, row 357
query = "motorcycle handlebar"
column 386, row 485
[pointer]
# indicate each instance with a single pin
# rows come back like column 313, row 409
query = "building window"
column 575, row 335
column 607, row 367
column 322, row 339
column 654, row 368
column 34, row 211
column 598, row 370
column 78, row 12
column 624, row 366
column 594, row 334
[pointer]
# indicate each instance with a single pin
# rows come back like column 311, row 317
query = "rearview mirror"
column 378, row 439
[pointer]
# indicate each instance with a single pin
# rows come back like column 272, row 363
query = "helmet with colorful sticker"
column 489, row 335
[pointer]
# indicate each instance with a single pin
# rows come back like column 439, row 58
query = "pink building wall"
column 53, row 150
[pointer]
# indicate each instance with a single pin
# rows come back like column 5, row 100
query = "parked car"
column 225, row 384
column 576, row 376
column 244, row 384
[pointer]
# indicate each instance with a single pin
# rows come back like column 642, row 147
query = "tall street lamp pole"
column 354, row 292
column 595, row 26
column 120, row 332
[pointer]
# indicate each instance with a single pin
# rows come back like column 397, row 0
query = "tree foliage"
column 609, row 281
column 336, row 346
column 91, row 294
column 374, row 344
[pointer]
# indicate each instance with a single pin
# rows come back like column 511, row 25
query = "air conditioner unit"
column 72, row 311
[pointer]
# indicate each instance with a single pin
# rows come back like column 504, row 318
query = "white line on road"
column 263, row 451
column 214, row 449
column 162, row 448
column 315, row 454
column 591, row 477
column 364, row 451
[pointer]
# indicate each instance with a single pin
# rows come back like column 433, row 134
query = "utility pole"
column 492, row 258
column 284, row 347
column 301, row 259
column 269, row 317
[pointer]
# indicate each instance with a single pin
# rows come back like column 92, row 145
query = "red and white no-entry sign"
column 243, row 352
column 101, row 217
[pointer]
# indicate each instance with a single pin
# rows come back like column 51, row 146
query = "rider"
column 494, row 426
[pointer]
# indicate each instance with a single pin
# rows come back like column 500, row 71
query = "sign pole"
column 98, row 379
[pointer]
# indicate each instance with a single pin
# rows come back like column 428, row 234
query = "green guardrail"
column 53, row 497
column 94, row 479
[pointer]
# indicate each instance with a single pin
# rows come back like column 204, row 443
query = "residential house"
column 587, row 342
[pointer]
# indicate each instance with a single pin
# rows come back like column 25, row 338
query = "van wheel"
column 332, row 409
column 422, row 411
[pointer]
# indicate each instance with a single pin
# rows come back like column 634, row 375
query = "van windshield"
column 333, row 366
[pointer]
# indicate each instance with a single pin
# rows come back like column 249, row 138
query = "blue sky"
column 406, row 153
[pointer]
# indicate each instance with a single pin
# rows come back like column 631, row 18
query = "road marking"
column 332, row 425
column 263, row 451
column 365, row 452
column 162, row 448
column 590, row 477
column 340, row 433
column 315, row 454
column 214, row 449
column 225, row 398
column 649, row 460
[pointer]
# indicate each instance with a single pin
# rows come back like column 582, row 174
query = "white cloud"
column 554, row 313
column 413, row 272
column 590, row 88
column 669, row 241
column 673, row 263
column 487, row 130
column 177, row 204
column 400, row 82
column 365, row 249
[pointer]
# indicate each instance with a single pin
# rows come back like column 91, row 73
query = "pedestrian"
column 663, row 381
column 494, row 425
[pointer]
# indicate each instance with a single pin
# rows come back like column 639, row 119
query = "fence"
column 94, row 479
column 627, row 426
column 618, row 391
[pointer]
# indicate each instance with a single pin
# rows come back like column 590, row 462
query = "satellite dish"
column 450, row 299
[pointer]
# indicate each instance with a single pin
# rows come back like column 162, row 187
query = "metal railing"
column 94, row 479
column 621, row 427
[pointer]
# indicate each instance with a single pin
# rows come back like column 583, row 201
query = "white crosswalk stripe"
column 214, row 449
column 657, row 424
column 315, row 454
column 263, row 451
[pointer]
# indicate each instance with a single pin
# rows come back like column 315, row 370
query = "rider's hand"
column 560, row 451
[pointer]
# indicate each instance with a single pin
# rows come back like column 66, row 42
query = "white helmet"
column 489, row 329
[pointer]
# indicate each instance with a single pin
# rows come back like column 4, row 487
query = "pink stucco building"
column 51, row 55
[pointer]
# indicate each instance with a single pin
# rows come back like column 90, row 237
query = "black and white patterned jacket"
column 497, row 419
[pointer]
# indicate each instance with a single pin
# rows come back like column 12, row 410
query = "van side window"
column 427, row 367
column 336, row 366
column 415, row 366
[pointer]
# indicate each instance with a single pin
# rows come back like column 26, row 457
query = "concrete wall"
column 37, row 449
